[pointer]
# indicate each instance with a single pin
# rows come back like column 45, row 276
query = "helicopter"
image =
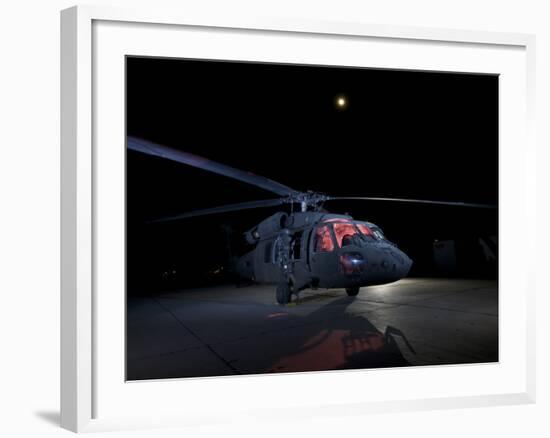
column 308, row 247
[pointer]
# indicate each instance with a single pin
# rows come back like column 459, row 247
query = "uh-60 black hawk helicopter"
column 308, row 247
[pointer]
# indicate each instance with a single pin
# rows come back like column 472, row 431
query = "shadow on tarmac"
column 254, row 338
column 331, row 339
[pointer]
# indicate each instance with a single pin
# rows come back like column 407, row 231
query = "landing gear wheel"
column 283, row 293
column 352, row 291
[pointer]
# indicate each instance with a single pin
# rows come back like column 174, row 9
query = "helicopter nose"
column 403, row 262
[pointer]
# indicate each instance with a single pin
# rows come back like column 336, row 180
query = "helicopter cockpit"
column 346, row 232
column 352, row 243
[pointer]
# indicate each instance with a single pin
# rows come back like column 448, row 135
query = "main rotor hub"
column 307, row 200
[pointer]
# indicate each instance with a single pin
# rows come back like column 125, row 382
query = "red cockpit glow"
column 334, row 349
column 365, row 230
column 343, row 229
column 323, row 239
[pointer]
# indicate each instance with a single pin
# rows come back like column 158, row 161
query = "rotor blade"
column 412, row 201
column 168, row 153
column 224, row 209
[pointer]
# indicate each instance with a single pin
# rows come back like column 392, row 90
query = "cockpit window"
column 365, row 230
column 378, row 233
column 346, row 233
column 323, row 240
column 371, row 231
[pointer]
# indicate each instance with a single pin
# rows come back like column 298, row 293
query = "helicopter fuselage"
column 303, row 249
column 322, row 250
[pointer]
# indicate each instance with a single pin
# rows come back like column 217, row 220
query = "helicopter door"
column 296, row 246
column 323, row 261
column 299, row 259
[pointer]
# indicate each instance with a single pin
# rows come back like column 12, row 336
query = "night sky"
column 403, row 134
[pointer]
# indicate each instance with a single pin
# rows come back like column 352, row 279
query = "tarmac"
column 227, row 330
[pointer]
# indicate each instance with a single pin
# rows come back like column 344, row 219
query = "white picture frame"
column 85, row 374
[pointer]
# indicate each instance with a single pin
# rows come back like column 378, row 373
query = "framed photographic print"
column 252, row 208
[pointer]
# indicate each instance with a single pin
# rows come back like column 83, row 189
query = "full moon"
column 341, row 102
